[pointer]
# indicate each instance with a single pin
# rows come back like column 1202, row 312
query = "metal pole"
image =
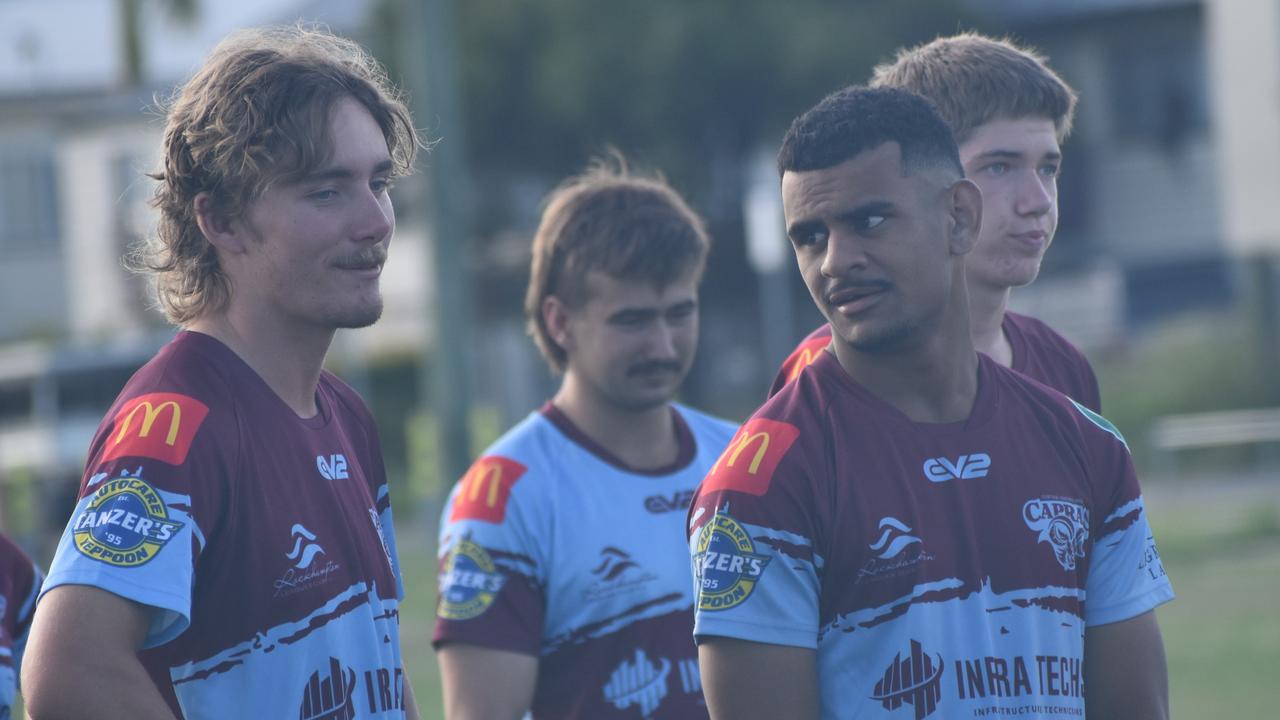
column 437, row 106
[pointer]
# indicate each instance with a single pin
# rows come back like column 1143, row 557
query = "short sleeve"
column 152, row 487
column 491, row 559
column 753, row 541
column 1126, row 577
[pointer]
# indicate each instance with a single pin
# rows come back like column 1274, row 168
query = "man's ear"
column 225, row 234
column 966, row 216
column 555, row 315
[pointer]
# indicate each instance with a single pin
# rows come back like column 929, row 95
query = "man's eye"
column 1050, row 170
column 811, row 237
column 870, row 222
column 382, row 185
column 323, row 195
column 996, row 168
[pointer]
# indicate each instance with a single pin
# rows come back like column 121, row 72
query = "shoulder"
column 1069, row 417
column 181, row 397
column 13, row 561
column 705, row 427
column 1040, row 336
column 346, row 400
column 779, row 440
column 516, row 462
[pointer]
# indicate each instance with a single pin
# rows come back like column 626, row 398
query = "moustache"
column 858, row 288
column 376, row 255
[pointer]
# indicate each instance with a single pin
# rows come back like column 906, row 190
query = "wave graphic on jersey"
column 898, row 543
column 359, row 597
column 1067, row 601
column 639, row 682
column 307, row 552
column 615, row 563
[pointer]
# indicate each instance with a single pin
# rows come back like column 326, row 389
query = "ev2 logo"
column 333, row 467
column 966, row 467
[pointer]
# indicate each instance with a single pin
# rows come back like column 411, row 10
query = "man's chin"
column 643, row 400
column 355, row 318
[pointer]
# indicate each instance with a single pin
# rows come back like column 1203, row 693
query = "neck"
column 287, row 358
column 934, row 380
column 642, row 439
column 987, row 306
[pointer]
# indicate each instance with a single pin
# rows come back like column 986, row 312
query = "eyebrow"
column 344, row 173
column 1013, row 155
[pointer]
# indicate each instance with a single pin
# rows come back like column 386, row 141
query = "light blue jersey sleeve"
column 491, row 553
column 756, row 572
column 1126, row 576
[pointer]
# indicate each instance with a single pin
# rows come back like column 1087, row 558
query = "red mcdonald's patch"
column 748, row 463
column 159, row 426
column 802, row 356
column 484, row 490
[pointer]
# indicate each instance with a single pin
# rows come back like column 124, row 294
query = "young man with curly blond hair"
column 232, row 552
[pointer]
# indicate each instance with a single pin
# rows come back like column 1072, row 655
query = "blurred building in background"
column 1166, row 203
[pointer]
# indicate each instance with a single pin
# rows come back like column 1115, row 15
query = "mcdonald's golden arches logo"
column 484, row 490
column 804, row 356
column 747, row 465
column 159, row 426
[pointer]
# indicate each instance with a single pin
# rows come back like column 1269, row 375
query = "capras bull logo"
column 1061, row 523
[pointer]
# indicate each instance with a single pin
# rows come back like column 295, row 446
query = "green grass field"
column 1222, row 634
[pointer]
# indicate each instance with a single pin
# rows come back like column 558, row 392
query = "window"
column 28, row 200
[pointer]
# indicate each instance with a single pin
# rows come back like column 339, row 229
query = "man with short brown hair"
column 561, row 563
column 232, row 552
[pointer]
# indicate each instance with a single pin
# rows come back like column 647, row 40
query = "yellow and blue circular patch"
column 469, row 582
column 124, row 524
column 726, row 566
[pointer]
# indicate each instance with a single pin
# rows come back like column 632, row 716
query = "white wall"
column 1244, row 62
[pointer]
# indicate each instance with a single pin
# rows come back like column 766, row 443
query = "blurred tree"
column 131, row 32
column 689, row 87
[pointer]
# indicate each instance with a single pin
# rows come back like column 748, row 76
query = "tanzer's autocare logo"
column 726, row 566
column 469, row 582
column 125, row 523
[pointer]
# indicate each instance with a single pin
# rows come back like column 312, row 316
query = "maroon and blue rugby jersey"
column 552, row 547
column 261, row 542
column 1038, row 352
column 938, row 570
column 20, row 580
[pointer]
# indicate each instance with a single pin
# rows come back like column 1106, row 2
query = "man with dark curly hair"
column 232, row 552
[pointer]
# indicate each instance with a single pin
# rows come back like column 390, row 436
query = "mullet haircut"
column 856, row 119
column 629, row 227
column 973, row 79
column 256, row 113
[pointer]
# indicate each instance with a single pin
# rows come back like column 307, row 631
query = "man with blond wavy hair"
column 232, row 552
